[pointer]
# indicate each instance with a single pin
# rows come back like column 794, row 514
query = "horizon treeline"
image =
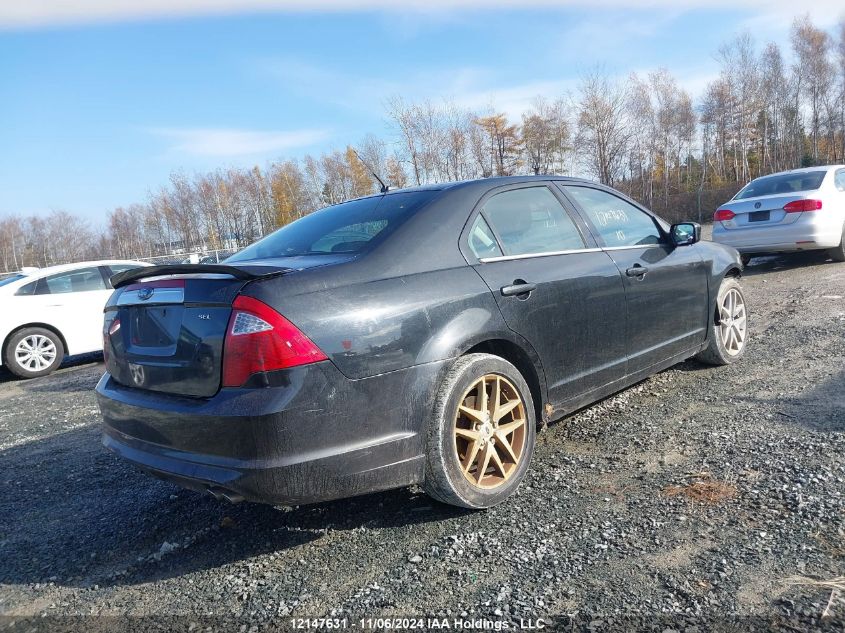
column 769, row 110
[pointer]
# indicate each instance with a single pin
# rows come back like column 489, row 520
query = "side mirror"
column 685, row 233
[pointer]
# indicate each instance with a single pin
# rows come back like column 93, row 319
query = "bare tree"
column 603, row 130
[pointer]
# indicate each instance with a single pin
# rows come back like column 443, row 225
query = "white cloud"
column 222, row 142
column 39, row 13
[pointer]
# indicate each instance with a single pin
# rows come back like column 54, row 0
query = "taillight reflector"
column 799, row 206
column 259, row 339
column 723, row 214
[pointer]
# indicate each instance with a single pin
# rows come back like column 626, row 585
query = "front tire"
column 33, row 352
column 729, row 330
column 481, row 436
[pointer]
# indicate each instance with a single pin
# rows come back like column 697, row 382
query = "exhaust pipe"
column 221, row 494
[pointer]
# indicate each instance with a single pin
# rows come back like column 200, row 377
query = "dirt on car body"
column 694, row 498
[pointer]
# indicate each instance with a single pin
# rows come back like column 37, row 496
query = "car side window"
column 618, row 222
column 531, row 220
column 482, row 242
column 839, row 180
column 81, row 280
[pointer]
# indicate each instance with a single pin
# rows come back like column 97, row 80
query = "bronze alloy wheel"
column 490, row 426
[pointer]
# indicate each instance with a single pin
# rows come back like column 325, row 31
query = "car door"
column 553, row 286
column 72, row 301
column 666, row 286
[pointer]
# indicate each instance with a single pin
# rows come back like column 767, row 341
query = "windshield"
column 349, row 227
column 8, row 280
column 782, row 183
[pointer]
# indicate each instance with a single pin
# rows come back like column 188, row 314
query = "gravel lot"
column 690, row 499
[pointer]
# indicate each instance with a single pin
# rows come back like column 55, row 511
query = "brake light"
column 723, row 214
column 113, row 329
column 798, row 206
column 260, row 339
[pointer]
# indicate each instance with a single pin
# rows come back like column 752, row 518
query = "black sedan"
column 413, row 337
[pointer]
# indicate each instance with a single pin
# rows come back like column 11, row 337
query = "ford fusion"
column 418, row 336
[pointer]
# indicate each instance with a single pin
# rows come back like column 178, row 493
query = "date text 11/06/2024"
column 420, row 624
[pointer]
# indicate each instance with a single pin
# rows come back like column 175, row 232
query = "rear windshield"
column 349, row 227
column 782, row 183
column 8, row 280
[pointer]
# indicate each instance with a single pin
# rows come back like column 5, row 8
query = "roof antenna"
column 384, row 187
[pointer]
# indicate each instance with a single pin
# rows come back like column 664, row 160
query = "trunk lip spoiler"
column 136, row 274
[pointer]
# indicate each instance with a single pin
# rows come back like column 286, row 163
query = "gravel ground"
column 690, row 499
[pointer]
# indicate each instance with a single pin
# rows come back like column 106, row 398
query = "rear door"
column 666, row 286
column 553, row 285
column 73, row 302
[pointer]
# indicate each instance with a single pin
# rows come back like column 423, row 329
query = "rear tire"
column 478, row 459
column 837, row 253
column 33, row 351
column 729, row 330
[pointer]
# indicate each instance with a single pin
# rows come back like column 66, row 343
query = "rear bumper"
column 807, row 233
column 318, row 436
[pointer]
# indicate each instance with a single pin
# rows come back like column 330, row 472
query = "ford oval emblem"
column 145, row 293
column 757, row 205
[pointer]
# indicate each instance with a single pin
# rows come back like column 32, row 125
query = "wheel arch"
column 45, row 326
column 526, row 362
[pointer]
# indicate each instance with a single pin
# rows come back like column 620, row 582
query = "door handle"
column 637, row 270
column 519, row 287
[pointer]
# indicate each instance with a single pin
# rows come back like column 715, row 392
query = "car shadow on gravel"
column 54, row 381
column 787, row 261
column 75, row 515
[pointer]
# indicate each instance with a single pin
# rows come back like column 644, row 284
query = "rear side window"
column 619, row 223
column 782, row 183
column 82, row 280
column 482, row 242
column 839, row 180
column 531, row 221
column 349, row 227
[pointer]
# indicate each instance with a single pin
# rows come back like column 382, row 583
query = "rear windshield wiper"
column 135, row 274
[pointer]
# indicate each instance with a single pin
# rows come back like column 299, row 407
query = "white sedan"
column 798, row 210
column 48, row 313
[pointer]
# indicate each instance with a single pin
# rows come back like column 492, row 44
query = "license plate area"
column 758, row 216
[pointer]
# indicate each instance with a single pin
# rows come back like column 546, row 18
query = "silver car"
column 798, row 210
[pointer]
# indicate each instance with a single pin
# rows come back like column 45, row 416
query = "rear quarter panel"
column 374, row 327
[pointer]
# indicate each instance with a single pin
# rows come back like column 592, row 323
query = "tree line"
column 768, row 110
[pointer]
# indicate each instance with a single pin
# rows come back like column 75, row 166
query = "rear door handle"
column 636, row 271
column 518, row 287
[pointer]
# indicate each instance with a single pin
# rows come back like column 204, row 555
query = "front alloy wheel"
column 733, row 323
column 481, row 436
column 729, row 334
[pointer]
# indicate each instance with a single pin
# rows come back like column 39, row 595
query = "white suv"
column 48, row 313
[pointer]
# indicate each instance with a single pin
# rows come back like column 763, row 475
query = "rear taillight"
column 113, row 329
column 259, row 339
column 798, row 206
column 723, row 214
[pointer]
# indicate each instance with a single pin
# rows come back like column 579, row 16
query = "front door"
column 554, row 287
column 666, row 286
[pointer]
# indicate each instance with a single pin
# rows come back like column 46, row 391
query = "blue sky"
column 99, row 105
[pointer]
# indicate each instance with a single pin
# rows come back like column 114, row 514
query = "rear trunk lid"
column 164, row 327
column 762, row 211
